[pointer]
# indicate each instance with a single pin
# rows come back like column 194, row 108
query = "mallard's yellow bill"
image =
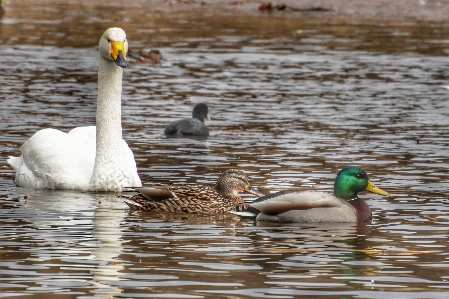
column 373, row 189
column 116, row 47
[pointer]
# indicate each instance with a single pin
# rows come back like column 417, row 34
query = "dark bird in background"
column 191, row 126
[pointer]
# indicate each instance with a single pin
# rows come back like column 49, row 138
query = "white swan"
column 87, row 158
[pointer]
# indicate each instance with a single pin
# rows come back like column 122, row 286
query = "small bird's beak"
column 208, row 117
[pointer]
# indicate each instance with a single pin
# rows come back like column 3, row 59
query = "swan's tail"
column 15, row 162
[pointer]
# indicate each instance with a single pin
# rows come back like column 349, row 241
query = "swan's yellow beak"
column 118, row 53
column 373, row 189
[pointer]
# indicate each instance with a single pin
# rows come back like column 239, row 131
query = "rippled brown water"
column 291, row 110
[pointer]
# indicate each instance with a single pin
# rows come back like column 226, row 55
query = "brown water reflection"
column 290, row 110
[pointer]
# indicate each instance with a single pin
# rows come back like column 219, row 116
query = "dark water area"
column 292, row 101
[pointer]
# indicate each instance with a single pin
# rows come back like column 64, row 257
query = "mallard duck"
column 191, row 126
column 86, row 158
column 153, row 57
column 194, row 199
column 313, row 206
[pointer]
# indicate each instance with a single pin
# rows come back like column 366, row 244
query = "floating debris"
column 268, row 6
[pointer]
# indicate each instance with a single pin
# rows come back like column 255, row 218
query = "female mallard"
column 191, row 126
column 192, row 198
column 313, row 206
column 94, row 158
column 153, row 57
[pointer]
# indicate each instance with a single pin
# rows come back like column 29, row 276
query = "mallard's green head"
column 352, row 180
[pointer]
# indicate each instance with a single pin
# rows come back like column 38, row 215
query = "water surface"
column 289, row 108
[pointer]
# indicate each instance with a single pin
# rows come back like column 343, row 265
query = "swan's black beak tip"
column 121, row 60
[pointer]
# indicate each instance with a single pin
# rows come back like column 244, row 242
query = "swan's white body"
column 86, row 158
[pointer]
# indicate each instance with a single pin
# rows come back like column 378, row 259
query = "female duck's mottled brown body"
column 194, row 199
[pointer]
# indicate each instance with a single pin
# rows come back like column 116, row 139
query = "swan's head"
column 114, row 46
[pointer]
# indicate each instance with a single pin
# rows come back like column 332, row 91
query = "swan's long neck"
column 109, row 147
column 109, row 114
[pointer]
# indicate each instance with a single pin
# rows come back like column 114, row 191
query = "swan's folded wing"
column 86, row 135
column 54, row 159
